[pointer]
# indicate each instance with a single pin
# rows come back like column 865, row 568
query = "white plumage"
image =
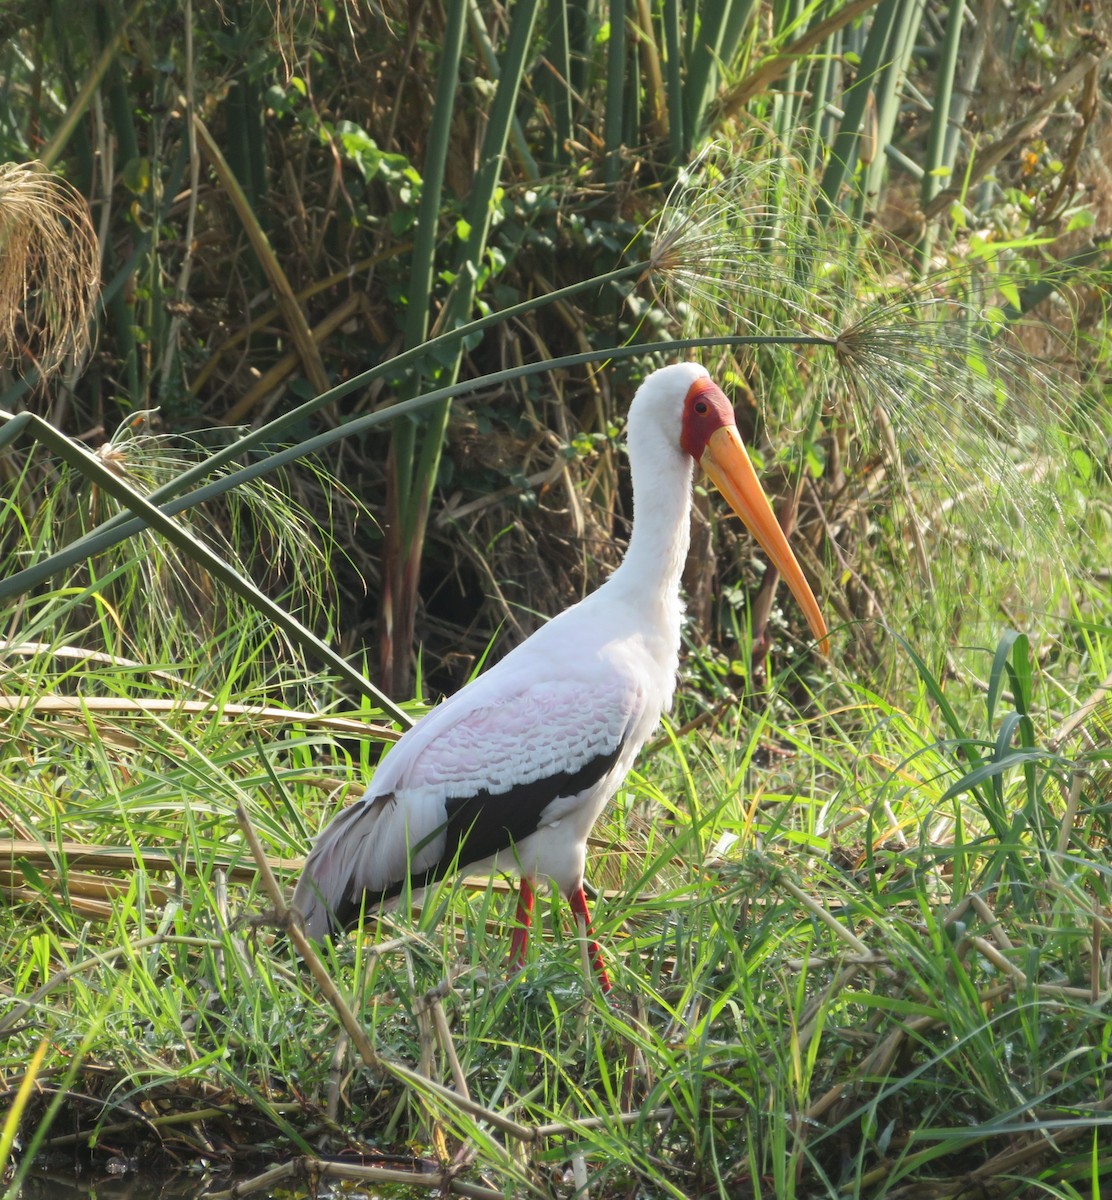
column 512, row 772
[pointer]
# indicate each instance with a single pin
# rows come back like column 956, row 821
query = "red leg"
column 578, row 902
column 520, row 938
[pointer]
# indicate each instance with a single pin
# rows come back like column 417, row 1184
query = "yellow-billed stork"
column 511, row 773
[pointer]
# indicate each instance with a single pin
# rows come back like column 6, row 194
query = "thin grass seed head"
column 986, row 453
column 985, row 443
column 49, row 267
column 972, row 415
column 739, row 245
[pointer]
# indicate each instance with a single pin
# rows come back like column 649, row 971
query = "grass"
column 858, row 913
column 859, row 948
column 858, row 917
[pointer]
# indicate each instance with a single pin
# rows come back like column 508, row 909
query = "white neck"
column 658, row 544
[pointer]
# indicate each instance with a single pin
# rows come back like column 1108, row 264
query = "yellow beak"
column 727, row 463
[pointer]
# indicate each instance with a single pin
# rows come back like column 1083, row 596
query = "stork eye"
column 700, row 407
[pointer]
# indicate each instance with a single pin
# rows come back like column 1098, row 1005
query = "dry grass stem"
column 307, row 349
column 53, row 705
column 444, row 1037
column 318, row 1170
column 996, row 928
column 1077, row 719
column 987, row 950
column 93, row 857
column 817, row 910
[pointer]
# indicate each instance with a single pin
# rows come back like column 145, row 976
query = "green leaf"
column 1010, row 293
column 137, row 176
column 996, row 674
column 991, row 771
column 1083, row 465
column 1020, row 671
column 1082, row 219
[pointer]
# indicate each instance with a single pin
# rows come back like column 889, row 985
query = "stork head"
column 684, row 398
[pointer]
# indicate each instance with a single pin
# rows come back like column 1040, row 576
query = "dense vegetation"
column 319, row 325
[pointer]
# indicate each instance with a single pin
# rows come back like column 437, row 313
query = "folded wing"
column 470, row 781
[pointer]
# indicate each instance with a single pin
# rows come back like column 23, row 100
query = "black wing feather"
column 472, row 832
column 473, row 835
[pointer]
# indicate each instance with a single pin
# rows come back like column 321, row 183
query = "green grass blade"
column 998, row 674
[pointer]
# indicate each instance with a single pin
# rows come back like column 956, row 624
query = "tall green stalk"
column 937, row 166
column 615, row 93
column 555, row 84
column 401, row 523
column 889, row 93
column 844, row 152
column 413, row 469
column 673, row 67
column 714, row 32
column 423, row 261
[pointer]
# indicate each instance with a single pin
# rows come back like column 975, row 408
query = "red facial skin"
column 705, row 410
